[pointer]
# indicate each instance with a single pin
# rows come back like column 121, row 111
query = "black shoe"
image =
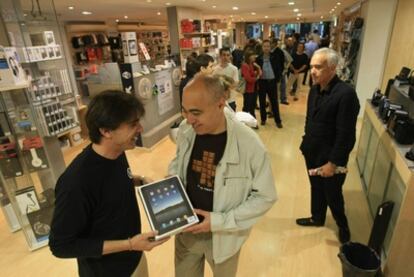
column 284, row 102
column 308, row 221
column 263, row 122
column 269, row 114
column 279, row 125
column 344, row 235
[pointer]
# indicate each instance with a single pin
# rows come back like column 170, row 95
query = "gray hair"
column 331, row 55
column 213, row 83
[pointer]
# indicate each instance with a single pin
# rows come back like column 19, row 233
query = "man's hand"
column 144, row 242
column 327, row 170
column 203, row 226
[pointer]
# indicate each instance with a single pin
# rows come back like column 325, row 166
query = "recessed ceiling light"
column 117, row 20
column 158, row 13
column 168, row 4
column 253, row 13
column 321, row 16
column 291, row 3
column 86, row 13
column 125, row 16
column 235, row 8
column 25, row 14
column 214, row 7
column 71, row 8
column 231, row 16
column 297, row 18
column 299, row 14
column 203, row 0
column 266, row 16
column 295, row 10
column 339, row 3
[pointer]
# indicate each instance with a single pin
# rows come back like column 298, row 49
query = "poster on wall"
column 165, row 95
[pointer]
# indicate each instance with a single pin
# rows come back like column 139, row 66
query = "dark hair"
column 247, row 55
column 224, row 49
column 266, row 40
column 109, row 109
column 191, row 68
column 204, row 59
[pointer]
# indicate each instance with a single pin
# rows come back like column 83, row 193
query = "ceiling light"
column 25, row 14
column 168, row 4
column 116, row 20
column 158, row 13
column 235, row 8
column 71, row 8
column 321, row 16
column 266, row 16
column 291, row 3
column 253, row 13
column 231, row 16
column 295, row 10
column 299, row 14
column 86, row 13
column 203, row 0
column 339, row 3
column 149, row 1
column 214, row 7
column 297, row 18
column 125, row 16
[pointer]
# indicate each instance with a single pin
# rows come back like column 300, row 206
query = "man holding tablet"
column 227, row 174
column 96, row 218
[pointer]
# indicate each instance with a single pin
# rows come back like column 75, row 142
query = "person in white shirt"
column 225, row 67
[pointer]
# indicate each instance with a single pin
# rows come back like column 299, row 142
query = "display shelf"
column 198, row 47
column 197, row 34
column 14, row 87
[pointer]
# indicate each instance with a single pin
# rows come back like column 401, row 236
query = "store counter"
column 160, row 95
column 387, row 175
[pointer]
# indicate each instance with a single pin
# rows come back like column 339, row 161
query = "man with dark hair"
column 272, row 64
column 297, row 69
column 225, row 67
column 228, row 177
column 205, row 63
column 96, row 218
column 191, row 68
column 330, row 128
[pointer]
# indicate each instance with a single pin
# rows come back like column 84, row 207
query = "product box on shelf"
column 11, row 72
column 33, row 152
column 27, row 200
column 10, row 166
column 40, row 222
column 130, row 46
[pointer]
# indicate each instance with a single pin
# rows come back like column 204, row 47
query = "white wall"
column 374, row 49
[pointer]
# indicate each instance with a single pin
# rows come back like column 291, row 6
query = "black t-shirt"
column 95, row 201
column 300, row 60
column 207, row 153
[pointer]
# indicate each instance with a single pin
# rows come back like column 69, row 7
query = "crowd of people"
column 265, row 70
column 223, row 164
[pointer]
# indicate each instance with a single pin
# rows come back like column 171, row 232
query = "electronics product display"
column 55, row 119
column 40, row 221
column 145, row 88
column 27, row 200
column 9, row 162
column 33, row 152
column 167, row 206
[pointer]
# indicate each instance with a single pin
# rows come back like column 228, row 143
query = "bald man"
column 330, row 128
column 228, row 178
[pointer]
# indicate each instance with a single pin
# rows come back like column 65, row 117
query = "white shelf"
column 14, row 87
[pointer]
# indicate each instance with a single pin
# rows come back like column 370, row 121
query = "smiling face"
column 125, row 136
column 203, row 112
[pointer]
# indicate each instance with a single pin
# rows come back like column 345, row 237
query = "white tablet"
column 167, row 206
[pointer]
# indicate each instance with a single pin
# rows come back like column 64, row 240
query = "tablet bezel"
column 151, row 215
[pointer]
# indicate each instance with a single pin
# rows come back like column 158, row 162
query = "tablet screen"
column 167, row 205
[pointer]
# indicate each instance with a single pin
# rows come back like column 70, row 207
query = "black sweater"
column 330, row 124
column 95, row 201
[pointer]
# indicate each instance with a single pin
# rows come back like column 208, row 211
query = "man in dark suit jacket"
column 272, row 64
column 331, row 117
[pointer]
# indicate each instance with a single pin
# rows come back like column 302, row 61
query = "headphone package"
column 11, row 72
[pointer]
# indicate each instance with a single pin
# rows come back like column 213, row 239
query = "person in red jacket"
column 250, row 72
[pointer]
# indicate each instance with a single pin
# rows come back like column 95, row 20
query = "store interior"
column 55, row 56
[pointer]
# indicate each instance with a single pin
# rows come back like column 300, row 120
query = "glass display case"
column 33, row 117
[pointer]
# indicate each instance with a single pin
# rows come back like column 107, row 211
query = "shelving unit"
column 32, row 115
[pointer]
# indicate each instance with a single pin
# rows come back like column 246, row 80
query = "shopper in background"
column 250, row 72
column 96, row 217
column 205, row 63
column 191, row 68
column 297, row 68
column 237, row 55
column 228, row 178
column 329, row 138
column 286, row 65
column 272, row 64
column 310, row 47
column 226, row 68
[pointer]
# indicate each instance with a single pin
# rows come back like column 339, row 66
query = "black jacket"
column 277, row 59
column 330, row 124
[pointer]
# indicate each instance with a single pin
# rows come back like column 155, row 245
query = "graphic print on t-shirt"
column 207, row 170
